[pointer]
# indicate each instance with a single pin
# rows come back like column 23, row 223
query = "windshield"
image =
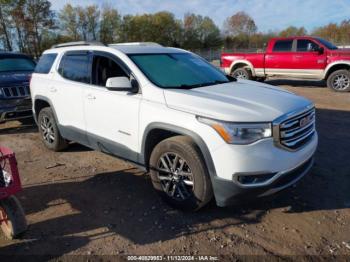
column 10, row 64
column 178, row 70
column 327, row 44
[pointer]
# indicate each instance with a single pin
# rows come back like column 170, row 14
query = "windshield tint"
column 178, row 70
column 327, row 44
column 8, row 64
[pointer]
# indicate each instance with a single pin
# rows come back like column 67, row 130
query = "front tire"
column 12, row 217
column 339, row 81
column 49, row 132
column 179, row 174
column 242, row 73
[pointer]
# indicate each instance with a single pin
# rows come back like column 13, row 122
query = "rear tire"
column 242, row 73
column 339, row 81
column 13, row 219
column 49, row 132
column 183, row 181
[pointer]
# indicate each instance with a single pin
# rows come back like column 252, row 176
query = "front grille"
column 16, row 91
column 297, row 130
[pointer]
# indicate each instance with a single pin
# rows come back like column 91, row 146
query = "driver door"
column 112, row 117
column 308, row 60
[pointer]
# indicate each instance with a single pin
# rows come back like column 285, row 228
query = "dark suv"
column 15, row 72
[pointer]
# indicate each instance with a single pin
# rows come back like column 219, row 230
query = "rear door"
column 67, row 94
column 279, row 60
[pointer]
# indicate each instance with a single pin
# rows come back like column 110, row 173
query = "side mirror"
column 320, row 50
column 121, row 83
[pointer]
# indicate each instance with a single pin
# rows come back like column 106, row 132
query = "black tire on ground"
column 339, row 80
column 52, row 139
column 242, row 73
column 12, row 213
column 189, row 161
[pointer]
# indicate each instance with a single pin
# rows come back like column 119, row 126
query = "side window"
column 45, row 63
column 305, row 45
column 283, row 46
column 104, row 68
column 75, row 67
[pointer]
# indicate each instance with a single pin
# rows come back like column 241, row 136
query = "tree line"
column 31, row 26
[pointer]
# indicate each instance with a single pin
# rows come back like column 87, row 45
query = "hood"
column 14, row 78
column 241, row 101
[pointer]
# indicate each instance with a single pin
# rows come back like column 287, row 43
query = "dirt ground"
column 84, row 202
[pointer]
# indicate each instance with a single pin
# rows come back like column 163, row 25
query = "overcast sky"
column 268, row 14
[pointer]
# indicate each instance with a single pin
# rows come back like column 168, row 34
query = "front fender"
column 336, row 63
column 183, row 131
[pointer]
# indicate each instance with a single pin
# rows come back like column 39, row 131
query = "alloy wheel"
column 47, row 129
column 341, row 82
column 240, row 75
column 175, row 176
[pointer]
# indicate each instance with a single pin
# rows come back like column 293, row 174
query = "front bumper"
column 15, row 109
column 229, row 193
column 269, row 169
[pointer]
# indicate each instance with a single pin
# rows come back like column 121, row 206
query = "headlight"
column 239, row 133
column 1, row 92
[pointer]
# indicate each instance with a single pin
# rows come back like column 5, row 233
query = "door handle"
column 271, row 56
column 53, row 89
column 298, row 56
column 90, row 97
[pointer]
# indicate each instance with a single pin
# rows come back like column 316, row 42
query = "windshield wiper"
column 185, row 86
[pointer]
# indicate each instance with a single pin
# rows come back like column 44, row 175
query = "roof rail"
column 78, row 43
column 136, row 44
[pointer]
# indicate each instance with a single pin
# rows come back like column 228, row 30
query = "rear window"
column 75, row 67
column 45, row 63
column 14, row 64
column 283, row 46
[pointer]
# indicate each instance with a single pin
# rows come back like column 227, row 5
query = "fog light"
column 254, row 179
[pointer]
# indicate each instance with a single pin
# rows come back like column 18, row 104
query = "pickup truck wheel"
column 339, row 81
column 179, row 174
column 242, row 73
column 49, row 131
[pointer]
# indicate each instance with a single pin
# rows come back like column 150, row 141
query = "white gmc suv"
column 200, row 134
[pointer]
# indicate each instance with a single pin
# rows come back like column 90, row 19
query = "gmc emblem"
column 304, row 121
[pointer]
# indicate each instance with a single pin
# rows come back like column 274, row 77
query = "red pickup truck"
column 297, row 57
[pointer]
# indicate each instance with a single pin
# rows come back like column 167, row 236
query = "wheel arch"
column 41, row 102
column 336, row 66
column 157, row 132
column 242, row 63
